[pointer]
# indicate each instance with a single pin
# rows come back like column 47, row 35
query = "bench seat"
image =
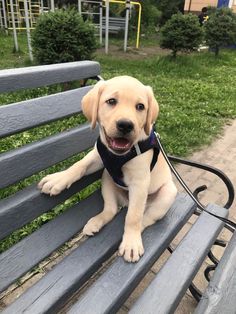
column 70, row 279
column 167, row 289
column 219, row 296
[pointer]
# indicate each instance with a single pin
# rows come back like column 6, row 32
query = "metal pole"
column 41, row 4
column 28, row 29
column 1, row 22
column 139, row 25
column 100, row 22
column 127, row 5
column 52, row 6
column 29, row 13
column 79, row 6
column 107, row 27
column 14, row 26
column 4, row 16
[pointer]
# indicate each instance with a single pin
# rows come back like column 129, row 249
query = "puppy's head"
column 125, row 110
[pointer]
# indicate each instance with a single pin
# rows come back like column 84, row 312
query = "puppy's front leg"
column 54, row 183
column 110, row 195
column 131, row 246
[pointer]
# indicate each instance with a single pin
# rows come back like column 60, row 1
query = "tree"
column 168, row 8
column 220, row 29
column 181, row 33
column 151, row 16
column 158, row 12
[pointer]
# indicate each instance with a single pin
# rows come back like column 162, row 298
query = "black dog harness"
column 113, row 163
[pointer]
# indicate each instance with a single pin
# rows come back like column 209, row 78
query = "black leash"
column 230, row 224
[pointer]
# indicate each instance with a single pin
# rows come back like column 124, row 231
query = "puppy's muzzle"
column 124, row 126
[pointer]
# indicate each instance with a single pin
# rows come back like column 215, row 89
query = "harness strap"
column 113, row 163
column 156, row 151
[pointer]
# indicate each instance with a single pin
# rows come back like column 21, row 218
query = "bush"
column 181, row 33
column 63, row 36
column 220, row 29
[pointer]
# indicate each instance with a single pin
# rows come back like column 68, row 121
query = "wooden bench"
column 110, row 290
column 116, row 25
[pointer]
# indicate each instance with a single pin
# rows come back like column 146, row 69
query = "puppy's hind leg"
column 158, row 207
column 110, row 196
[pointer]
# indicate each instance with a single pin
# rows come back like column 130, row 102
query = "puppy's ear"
column 153, row 110
column 90, row 103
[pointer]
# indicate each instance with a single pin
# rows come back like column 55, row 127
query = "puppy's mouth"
column 119, row 145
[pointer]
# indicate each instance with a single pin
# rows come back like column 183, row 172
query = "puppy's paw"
column 55, row 183
column 131, row 248
column 93, row 226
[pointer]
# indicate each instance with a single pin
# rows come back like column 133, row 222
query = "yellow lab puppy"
column 135, row 174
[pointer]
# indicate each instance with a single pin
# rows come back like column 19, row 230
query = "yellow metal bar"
column 139, row 17
column 116, row 1
column 139, row 24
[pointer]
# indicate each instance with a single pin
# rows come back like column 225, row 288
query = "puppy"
column 136, row 174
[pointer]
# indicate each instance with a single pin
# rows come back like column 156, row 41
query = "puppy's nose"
column 125, row 126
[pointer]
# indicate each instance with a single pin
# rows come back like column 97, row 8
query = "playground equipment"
column 22, row 15
column 3, row 16
column 111, row 24
column 19, row 15
column 94, row 11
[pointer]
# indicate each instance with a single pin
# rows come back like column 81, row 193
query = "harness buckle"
column 157, row 135
column 137, row 148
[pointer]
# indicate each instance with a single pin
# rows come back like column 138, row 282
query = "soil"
column 133, row 53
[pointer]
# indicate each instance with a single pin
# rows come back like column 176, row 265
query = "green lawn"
column 8, row 59
column 196, row 93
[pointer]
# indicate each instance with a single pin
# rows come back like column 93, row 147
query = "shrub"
column 220, row 29
column 181, row 33
column 63, row 36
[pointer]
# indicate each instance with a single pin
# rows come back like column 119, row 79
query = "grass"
column 8, row 59
column 196, row 94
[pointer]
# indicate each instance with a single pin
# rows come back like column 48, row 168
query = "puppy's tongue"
column 120, row 143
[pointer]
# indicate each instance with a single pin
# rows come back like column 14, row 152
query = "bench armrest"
column 213, row 170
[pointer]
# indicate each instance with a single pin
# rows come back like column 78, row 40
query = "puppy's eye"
column 140, row 107
column 111, row 101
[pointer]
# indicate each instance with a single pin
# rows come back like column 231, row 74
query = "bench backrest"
column 115, row 24
column 20, row 163
column 115, row 21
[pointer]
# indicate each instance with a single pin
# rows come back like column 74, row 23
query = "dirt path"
column 133, row 53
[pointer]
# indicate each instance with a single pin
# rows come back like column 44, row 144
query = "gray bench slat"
column 113, row 287
column 16, row 210
column 220, row 295
column 115, row 24
column 54, row 289
column 113, row 28
column 168, row 287
column 34, row 112
column 16, row 261
column 120, row 24
column 114, row 19
column 29, row 159
column 37, row 76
